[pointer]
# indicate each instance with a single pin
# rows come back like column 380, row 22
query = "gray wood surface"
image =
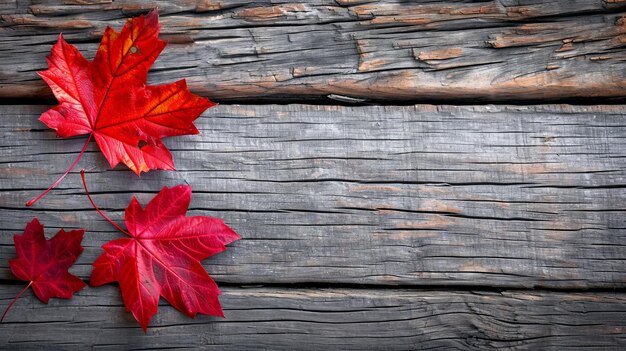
column 313, row 319
column 347, row 50
column 376, row 227
column 500, row 196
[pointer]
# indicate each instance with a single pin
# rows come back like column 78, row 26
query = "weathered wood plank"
column 506, row 196
column 284, row 319
column 236, row 50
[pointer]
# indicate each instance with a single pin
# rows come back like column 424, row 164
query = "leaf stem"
column 31, row 202
column 82, row 175
column 15, row 299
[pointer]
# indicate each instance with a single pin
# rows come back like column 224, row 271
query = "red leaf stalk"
column 31, row 202
column 82, row 175
column 15, row 300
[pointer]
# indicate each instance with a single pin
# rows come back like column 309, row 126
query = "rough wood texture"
column 348, row 50
column 319, row 319
column 418, row 195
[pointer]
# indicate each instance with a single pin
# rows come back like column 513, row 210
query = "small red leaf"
column 108, row 98
column 45, row 263
column 162, row 257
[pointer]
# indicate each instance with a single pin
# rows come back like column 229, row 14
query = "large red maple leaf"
column 108, row 98
column 162, row 256
column 45, row 263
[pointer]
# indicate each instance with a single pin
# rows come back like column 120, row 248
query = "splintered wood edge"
column 347, row 51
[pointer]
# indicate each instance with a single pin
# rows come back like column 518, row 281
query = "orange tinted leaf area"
column 109, row 99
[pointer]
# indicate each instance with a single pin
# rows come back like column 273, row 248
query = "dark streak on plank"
column 235, row 50
column 284, row 319
column 506, row 196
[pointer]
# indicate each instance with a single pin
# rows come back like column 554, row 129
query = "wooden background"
column 429, row 186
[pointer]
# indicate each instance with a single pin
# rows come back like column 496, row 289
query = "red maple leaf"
column 44, row 263
column 108, row 98
column 162, row 256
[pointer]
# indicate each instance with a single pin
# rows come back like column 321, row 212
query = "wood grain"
column 312, row 319
column 346, row 50
column 499, row 196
